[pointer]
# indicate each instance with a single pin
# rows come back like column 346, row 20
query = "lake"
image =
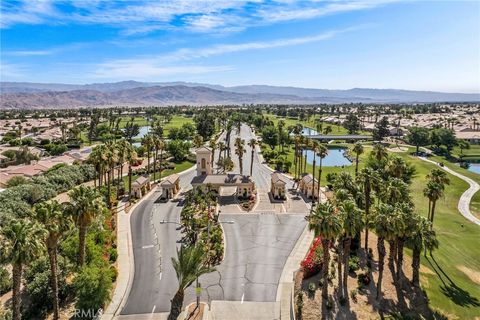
column 335, row 158
column 309, row 131
column 474, row 167
column 143, row 131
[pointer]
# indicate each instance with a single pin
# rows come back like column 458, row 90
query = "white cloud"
column 29, row 53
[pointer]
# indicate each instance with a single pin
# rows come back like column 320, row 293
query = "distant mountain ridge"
column 42, row 95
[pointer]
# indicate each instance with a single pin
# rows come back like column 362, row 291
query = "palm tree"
column 159, row 146
column 213, row 145
column 438, row 176
column 131, row 157
column 358, row 150
column 314, row 147
column 396, row 167
column 367, row 178
column 98, row 159
column 55, row 223
column 252, row 144
column 352, row 225
column 326, row 223
column 21, row 244
column 379, row 152
column 189, row 266
column 321, row 153
column 122, row 147
column 433, row 191
column 112, row 161
column 147, row 141
column 85, row 205
column 382, row 227
column 422, row 237
column 404, row 226
column 239, row 151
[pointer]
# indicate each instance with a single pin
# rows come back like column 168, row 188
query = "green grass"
column 468, row 154
column 336, row 130
column 179, row 167
column 449, row 289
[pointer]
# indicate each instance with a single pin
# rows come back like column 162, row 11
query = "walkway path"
column 464, row 202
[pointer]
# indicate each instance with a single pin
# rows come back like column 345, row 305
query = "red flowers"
column 312, row 264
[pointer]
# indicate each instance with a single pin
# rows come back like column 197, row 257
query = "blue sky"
column 418, row 45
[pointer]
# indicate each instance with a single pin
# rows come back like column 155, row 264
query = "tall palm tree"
column 382, row 227
column 56, row 223
column 252, row 144
column 405, row 225
column 112, row 161
column 85, row 205
column 351, row 217
column 367, row 178
column 396, row 166
column 122, row 150
column 433, row 191
column 21, row 244
column 438, row 176
column 131, row 157
column 314, row 148
column 379, row 152
column 159, row 147
column 321, row 153
column 213, row 145
column 147, row 141
column 239, row 151
column 326, row 223
column 358, row 150
column 189, row 266
column 422, row 237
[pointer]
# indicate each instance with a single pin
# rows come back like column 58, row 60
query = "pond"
column 143, row 131
column 309, row 131
column 335, row 158
column 474, row 167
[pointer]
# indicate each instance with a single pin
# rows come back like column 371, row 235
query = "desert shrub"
column 353, row 264
column 113, row 254
column 5, row 281
column 363, row 280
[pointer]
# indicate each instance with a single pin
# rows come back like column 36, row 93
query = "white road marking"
column 154, row 307
column 160, row 276
column 147, row 247
column 243, row 296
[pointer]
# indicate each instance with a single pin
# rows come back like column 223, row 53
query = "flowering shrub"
column 312, row 264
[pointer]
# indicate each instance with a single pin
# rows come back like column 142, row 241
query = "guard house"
column 204, row 161
column 214, row 182
column 278, row 186
column 140, row 186
column 170, row 186
column 308, row 186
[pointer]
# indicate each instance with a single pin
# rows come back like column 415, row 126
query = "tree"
column 433, row 191
column 252, row 144
column 314, row 145
column 422, row 237
column 270, row 136
column 382, row 228
column 197, row 141
column 368, row 177
column 56, row 223
column 189, row 266
column 352, row 124
column 358, row 150
column 321, row 153
column 21, row 244
column 463, row 144
column 159, row 146
column 178, row 149
column 438, row 176
column 85, row 205
column 351, row 217
column 131, row 130
column 327, row 130
column 92, row 287
column 381, row 129
column 205, row 123
column 147, row 141
column 131, row 157
column 419, row 137
column 239, row 151
column 326, row 223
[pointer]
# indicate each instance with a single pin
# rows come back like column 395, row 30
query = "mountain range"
column 55, row 95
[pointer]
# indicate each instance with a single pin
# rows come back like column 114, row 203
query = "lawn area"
column 179, row 167
column 468, row 154
column 452, row 279
column 336, row 130
column 176, row 122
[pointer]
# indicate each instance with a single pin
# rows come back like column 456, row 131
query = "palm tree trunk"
column 400, row 244
column 346, row 258
column 367, row 211
column 326, row 261
column 160, row 164
column 339, row 266
column 251, row 164
column 52, row 256
column 391, row 257
column 16, row 299
column 154, row 164
column 433, row 212
column 381, row 264
column 82, row 234
column 356, row 165
column 313, row 185
column 319, row 179
column 416, row 266
column 429, row 208
column 177, row 303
